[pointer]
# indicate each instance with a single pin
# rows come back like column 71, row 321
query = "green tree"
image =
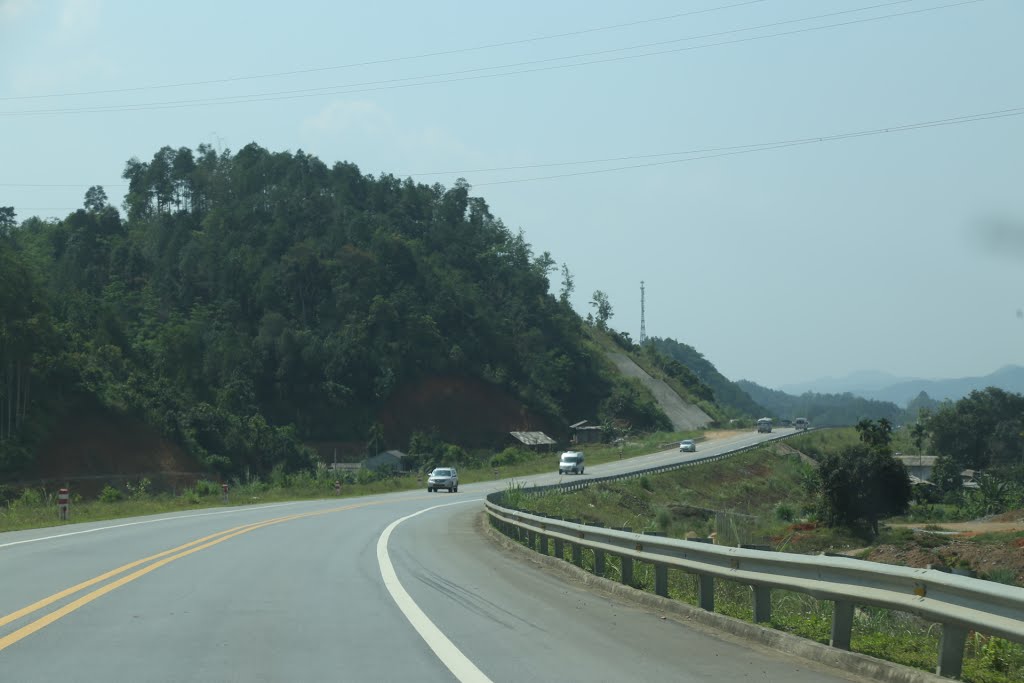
column 7, row 220
column 918, row 434
column 249, row 302
column 862, row 484
column 946, row 475
column 876, row 434
column 600, row 302
column 992, row 496
column 568, row 285
column 981, row 430
column 95, row 199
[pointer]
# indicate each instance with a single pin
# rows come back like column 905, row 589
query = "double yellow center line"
column 152, row 562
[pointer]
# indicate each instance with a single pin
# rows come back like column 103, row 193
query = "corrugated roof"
column 533, row 438
column 918, row 460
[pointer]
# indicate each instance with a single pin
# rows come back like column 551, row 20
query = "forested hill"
column 823, row 410
column 730, row 396
column 248, row 303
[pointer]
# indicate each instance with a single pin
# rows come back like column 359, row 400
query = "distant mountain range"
column 881, row 386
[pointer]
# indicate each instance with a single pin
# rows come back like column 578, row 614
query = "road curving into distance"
column 396, row 587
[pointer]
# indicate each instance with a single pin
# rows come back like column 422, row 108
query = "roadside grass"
column 999, row 537
column 831, row 440
column 935, row 513
column 818, row 441
column 739, row 500
column 37, row 507
column 735, row 498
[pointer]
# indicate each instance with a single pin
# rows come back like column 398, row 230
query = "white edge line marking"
column 145, row 521
column 460, row 666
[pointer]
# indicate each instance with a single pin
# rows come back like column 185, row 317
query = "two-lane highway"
column 380, row 588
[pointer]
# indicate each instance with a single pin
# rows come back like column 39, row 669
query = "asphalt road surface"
column 399, row 587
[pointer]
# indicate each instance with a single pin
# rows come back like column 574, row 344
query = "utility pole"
column 643, row 327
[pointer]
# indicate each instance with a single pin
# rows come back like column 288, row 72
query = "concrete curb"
column 787, row 643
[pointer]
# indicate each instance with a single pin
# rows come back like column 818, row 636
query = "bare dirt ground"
column 981, row 526
column 952, row 545
column 714, row 434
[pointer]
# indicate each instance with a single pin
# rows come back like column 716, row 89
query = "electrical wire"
column 346, row 89
column 71, row 185
column 390, row 60
column 722, row 151
column 970, row 118
column 533, row 62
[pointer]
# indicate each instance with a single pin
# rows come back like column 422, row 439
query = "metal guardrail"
column 958, row 603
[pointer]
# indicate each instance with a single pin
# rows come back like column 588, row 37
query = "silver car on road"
column 443, row 478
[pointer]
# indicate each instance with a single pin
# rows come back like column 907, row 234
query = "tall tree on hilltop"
column 7, row 220
column 600, row 302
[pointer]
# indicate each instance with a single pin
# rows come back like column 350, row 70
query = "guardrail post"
column 542, row 544
column 660, row 571
column 577, row 549
column 598, row 558
column 531, row 539
column 706, row 592
column 661, row 580
column 842, row 624
column 559, row 549
column 762, row 594
column 762, row 604
column 951, row 651
column 627, row 564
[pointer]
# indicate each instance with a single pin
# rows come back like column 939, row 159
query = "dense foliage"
column 250, row 302
column 863, row 483
column 726, row 393
column 984, row 430
column 823, row 410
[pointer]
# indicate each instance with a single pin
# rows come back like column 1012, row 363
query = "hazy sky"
column 899, row 252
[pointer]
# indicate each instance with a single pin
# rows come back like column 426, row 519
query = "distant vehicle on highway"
column 571, row 462
column 687, row 446
column 764, row 425
column 443, row 478
column 801, row 423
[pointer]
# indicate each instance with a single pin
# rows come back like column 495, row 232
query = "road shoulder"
column 858, row 666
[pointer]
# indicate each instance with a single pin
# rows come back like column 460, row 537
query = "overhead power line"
column 390, row 60
column 703, row 153
column 393, row 84
column 71, row 185
column 534, row 62
column 769, row 146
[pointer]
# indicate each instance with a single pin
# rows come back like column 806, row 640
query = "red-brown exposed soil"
column 93, row 448
column 959, row 550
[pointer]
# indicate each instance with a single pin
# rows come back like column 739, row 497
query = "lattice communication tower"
column 643, row 327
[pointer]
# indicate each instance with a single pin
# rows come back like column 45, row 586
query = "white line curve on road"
column 461, row 667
